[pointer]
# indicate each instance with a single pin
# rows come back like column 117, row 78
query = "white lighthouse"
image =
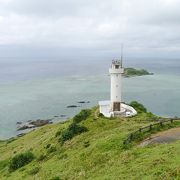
column 116, row 72
column 114, row 106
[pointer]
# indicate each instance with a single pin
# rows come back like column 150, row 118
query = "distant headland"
column 130, row 72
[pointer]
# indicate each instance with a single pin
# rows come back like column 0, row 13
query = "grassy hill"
column 98, row 153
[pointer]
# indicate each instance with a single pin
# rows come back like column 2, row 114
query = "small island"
column 130, row 72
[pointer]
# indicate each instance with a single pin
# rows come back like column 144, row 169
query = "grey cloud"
column 58, row 7
column 100, row 25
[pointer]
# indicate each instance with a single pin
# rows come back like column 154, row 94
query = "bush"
column 83, row 115
column 20, row 160
column 55, row 178
column 58, row 133
column 63, row 156
column 86, row 144
column 34, row 171
column 51, row 149
column 48, row 146
column 101, row 115
column 151, row 115
column 73, row 130
column 138, row 107
column 41, row 157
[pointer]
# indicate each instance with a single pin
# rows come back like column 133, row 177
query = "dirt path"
column 163, row 137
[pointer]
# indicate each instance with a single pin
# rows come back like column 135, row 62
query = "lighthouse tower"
column 114, row 107
column 116, row 72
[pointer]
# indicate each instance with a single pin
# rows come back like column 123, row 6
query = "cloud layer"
column 145, row 27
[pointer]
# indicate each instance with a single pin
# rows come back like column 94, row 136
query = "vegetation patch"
column 34, row 171
column 41, row 157
column 138, row 107
column 48, row 146
column 3, row 164
column 51, row 149
column 86, row 144
column 20, row 160
column 83, row 115
column 55, row 178
column 73, row 130
column 128, row 72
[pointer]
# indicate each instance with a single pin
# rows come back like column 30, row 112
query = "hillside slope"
column 96, row 154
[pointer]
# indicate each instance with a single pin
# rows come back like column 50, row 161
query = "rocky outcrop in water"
column 72, row 106
column 83, row 102
column 34, row 124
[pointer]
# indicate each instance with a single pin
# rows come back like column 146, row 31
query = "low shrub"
column 20, row 160
column 58, row 133
column 138, row 107
column 51, row 149
column 101, row 115
column 34, row 171
column 83, row 115
column 63, row 156
column 73, row 130
column 41, row 157
column 55, row 178
column 86, row 144
column 48, row 146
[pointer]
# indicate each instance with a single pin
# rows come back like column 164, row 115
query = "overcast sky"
column 145, row 27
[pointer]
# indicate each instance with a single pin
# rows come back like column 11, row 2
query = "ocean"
column 41, row 88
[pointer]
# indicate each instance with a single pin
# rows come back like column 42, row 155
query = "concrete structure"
column 115, row 107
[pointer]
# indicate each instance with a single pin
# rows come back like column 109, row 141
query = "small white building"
column 115, row 107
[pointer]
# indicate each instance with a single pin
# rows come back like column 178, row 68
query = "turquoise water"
column 43, row 89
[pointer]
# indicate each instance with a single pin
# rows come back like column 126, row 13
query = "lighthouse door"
column 116, row 106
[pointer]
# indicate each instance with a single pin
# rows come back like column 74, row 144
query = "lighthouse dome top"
column 117, row 62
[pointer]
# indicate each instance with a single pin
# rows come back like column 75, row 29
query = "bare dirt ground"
column 163, row 137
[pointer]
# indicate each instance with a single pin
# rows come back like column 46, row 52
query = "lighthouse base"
column 125, row 111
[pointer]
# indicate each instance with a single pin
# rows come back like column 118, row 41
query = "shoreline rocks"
column 34, row 124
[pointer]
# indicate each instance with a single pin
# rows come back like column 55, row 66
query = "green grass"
column 95, row 154
column 139, row 136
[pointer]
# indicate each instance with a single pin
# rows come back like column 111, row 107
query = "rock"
column 19, row 122
column 21, row 134
column 83, row 102
column 72, row 106
column 62, row 115
column 26, row 126
column 39, row 122
column 34, row 124
column 56, row 116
